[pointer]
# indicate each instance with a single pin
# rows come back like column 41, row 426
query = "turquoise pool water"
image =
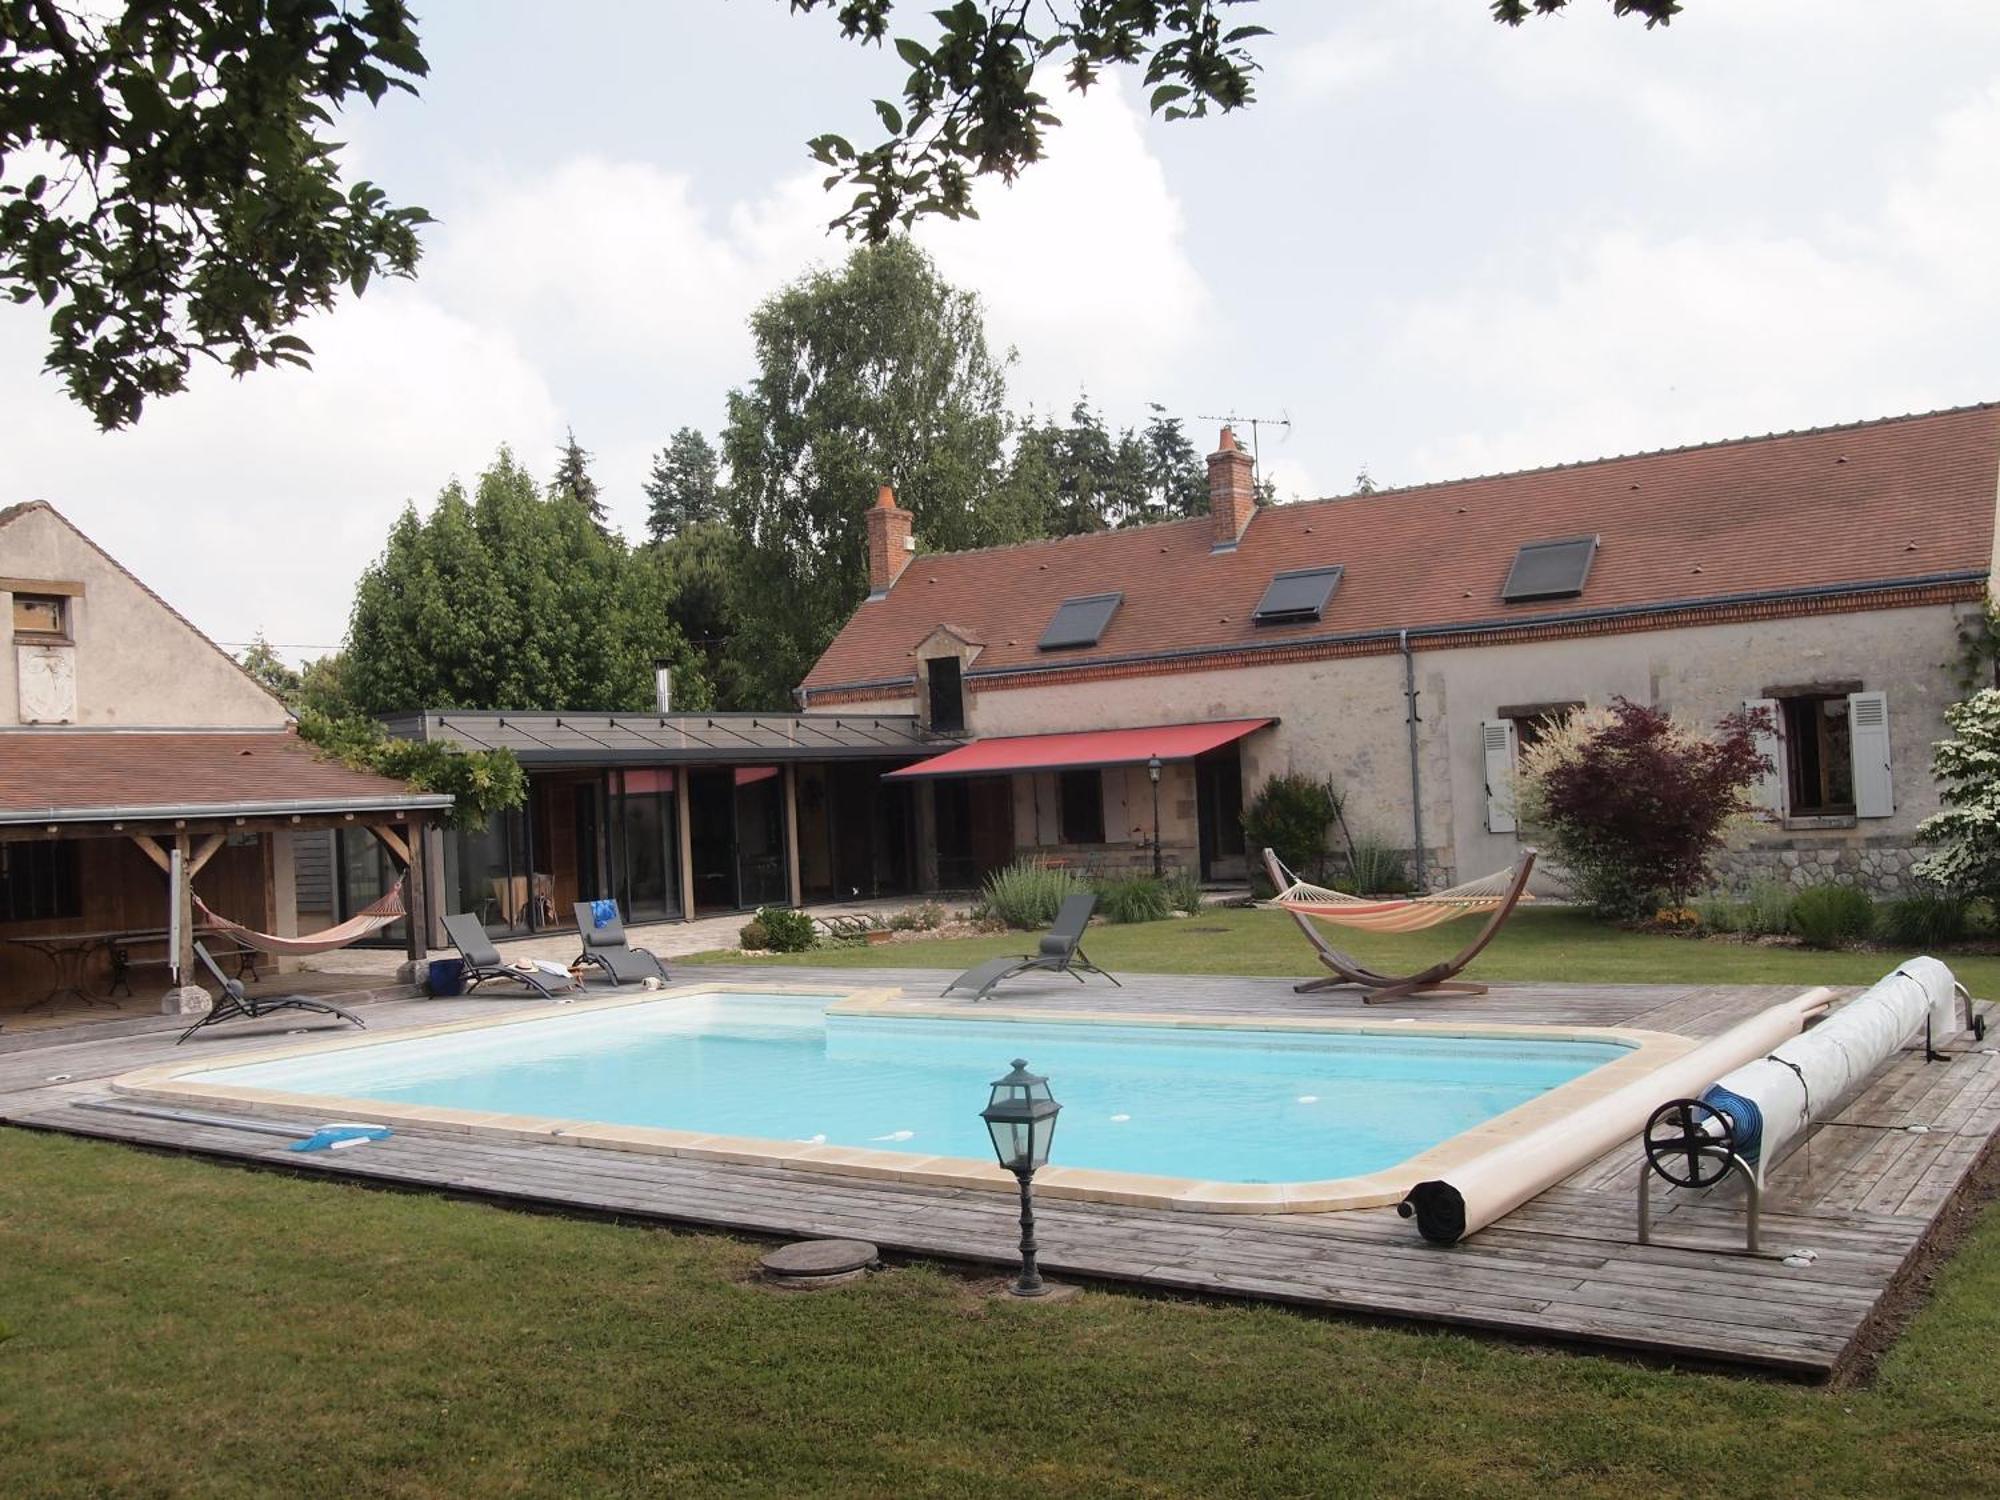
column 1226, row 1106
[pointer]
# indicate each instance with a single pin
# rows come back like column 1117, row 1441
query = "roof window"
column 1080, row 621
column 1297, row 597
column 1549, row 570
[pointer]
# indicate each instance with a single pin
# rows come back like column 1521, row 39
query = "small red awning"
column 1090, row 747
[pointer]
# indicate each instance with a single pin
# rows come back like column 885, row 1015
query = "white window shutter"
column 1767, row 794
column 1496, row 739
column 1868, row 737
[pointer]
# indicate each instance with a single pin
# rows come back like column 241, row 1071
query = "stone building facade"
column 1819, row 575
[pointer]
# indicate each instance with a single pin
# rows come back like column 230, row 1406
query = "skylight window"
column 1080, row 621
column 1550, row 570
column 1297, row 597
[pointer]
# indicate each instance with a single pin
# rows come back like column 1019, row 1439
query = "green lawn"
column 1546, row 943
column 180, row 1328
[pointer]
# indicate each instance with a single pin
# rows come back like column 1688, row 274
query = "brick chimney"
column 1232, row 492
column 889, row 541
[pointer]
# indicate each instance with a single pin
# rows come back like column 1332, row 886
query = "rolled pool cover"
column 1501, row 1180
column 1772, row 1101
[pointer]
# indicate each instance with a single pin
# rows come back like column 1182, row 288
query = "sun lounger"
column 604, row 944
column 232, row 1001
column 483, row 960
column 1061, row 952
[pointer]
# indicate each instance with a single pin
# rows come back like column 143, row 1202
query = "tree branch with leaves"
column 167, row 189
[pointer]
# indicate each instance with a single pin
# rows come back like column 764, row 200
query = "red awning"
column 1090, row 747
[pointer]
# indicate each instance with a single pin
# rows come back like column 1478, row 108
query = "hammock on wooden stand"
column 1497, row 894
column 371, row 918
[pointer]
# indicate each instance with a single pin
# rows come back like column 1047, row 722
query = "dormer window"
column 1550, row 570
column 45, row 616
column 1080, row 622
column 947, row 694
column 1298, row 597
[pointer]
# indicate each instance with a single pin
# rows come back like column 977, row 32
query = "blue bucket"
column 447, row 976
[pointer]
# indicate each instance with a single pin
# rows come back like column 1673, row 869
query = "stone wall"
column 1879, row 866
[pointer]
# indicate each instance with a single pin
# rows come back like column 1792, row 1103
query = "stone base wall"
column 1880, row 868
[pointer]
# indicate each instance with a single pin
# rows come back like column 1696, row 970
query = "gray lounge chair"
column 232, row 1001
column 604, row 944
column 1061, row 952
column 483, row 960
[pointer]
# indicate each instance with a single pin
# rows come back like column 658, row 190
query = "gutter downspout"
column 1416, row 774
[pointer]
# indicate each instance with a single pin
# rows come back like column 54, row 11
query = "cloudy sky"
column 1439, row 247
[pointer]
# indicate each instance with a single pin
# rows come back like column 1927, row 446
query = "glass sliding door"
column 762, row 878
column 646, row 859
column 487, row 873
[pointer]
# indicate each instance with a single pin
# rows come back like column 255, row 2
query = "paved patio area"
column 1863, row 1194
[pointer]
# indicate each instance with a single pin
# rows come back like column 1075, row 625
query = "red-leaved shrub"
column 1634, row 805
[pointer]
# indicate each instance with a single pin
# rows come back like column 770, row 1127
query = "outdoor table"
column 69, row 955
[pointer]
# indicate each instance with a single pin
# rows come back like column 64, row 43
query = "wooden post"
column 182, row 895
column 417, row 944
column 794, row 889
column 683, row 827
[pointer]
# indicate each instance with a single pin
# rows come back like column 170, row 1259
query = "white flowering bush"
column 1967, row 832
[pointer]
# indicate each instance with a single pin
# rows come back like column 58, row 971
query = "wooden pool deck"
column 1862, row 1194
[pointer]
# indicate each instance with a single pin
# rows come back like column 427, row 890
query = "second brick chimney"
column 1232, row 492
column 890, row 542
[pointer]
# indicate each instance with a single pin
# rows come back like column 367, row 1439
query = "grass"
column 181, row 1328
column 1551, row 943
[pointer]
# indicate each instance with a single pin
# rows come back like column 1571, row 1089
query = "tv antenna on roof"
column 1256, row 451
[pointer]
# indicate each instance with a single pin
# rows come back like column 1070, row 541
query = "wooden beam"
column 794, row 888
column 417, row 941
column 183, row 901
column 206, row 852
column 389, row 839
column 153, row 851
column 683, row 826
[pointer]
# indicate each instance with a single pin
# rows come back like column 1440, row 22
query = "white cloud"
column 253, row 504
column 1640, row 340
column 1082, row 261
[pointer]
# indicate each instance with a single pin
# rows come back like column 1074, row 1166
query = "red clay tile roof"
column 59, row 775
column 1899, row 499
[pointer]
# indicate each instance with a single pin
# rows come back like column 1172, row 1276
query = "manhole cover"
column 818, row 1263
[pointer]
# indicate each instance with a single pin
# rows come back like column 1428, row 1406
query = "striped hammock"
column 1397, row 913
column 369, row 919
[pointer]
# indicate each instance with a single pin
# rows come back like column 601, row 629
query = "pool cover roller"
column 1774, row 1100
column 1502, row 1179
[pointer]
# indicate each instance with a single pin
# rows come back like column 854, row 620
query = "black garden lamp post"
column 1021, row 1118
column 1153, row 771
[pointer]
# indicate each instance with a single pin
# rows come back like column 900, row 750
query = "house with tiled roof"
column 1118, row 696
column 141, row 767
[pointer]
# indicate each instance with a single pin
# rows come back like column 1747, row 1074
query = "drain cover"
column 818, row 1263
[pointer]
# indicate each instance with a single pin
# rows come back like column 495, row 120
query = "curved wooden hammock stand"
column 1306, row 902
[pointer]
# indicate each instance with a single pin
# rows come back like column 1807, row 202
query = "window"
column 1533, row 721
column 1549, row 570
column 1296, row 597
column 1829, row 746
column 947, row 694
column 41, row 614
column 1819, row 758
column 1080, row 621
column 38, row 881
column 1082, row 807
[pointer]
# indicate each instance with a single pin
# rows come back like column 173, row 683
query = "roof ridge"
column 1698, row 447
column 1056, row 541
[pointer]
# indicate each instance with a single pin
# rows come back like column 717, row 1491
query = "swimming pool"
column 864, row 1086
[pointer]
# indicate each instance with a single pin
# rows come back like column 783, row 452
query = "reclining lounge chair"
column 1061, row 952
column 231, row 1001
column 483, row 960
column 604, row 944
